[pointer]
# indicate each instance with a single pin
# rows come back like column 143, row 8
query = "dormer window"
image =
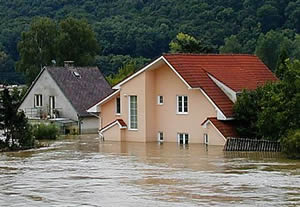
column 76, row 74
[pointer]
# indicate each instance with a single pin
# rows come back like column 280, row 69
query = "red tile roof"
column 227, row 128
column 121, row 122
column 236, row 71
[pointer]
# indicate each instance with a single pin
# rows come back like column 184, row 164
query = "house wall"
column 134, row 87
column 152, row 117
column 113, row 134
column 46, row 86
column 108, row 112
column 214, row 137
column 151, row 106
column 167, row 120
column 89, row 125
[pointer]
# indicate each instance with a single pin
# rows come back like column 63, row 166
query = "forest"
column 143, row 29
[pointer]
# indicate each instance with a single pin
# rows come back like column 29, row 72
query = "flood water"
column 83, row 171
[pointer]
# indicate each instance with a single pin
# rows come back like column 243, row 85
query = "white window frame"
column 205, row 137
column 38, row 100
column 129, row 113
column 182, row 104
column 185, row 135
column 159, row 135
column 116, row 106
column 159, row 101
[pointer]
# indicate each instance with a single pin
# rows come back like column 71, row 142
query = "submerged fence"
column 242, row 144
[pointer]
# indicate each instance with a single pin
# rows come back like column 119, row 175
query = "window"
column 182, row 138
column 118, row 105
column 160, row 136
column 38, row 100
column 76, row 74
column 182, row 104
column 133, row 112
column 52, row 102
column 160, row 100
column 205, row 138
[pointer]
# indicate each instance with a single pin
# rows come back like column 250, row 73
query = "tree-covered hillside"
column 144, row 28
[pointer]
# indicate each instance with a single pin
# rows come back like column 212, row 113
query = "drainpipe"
column 79, row 124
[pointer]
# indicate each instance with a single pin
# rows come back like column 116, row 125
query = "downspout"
column 79, row 124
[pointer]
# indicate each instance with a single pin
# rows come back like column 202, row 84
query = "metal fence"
column 244, row 144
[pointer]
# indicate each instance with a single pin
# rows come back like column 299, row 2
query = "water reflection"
column 78, row 171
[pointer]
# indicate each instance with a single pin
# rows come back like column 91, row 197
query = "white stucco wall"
column 89, row 125
column 46, row 86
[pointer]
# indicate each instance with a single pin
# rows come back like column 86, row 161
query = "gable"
column 45, row 85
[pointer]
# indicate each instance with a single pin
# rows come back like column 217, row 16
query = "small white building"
column 65, row 93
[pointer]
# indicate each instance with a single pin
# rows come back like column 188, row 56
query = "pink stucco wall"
column 152, row 117
column 214, row 137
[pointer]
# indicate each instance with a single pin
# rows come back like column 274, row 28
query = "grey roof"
column 83, row 90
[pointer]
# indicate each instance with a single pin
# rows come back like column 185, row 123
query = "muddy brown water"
column 83, row 171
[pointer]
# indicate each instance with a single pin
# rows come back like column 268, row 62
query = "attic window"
column 76, row 74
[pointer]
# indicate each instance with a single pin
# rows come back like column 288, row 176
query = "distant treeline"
column 144, row 28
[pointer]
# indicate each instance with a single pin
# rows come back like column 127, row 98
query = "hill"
column 144, row 28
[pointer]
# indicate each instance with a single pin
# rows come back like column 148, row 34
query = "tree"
column 269, row 46
column 17, row 130
column 269, row 16
column 232, row 45
column 37, row 47
column 46, row 43
column 281, row 64
column 185, row 43
column 126, row 70
column 290, row 144
column 76, row 41
column 270, row 111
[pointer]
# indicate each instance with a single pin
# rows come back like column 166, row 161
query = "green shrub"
column 290, row 144
column 44, row 131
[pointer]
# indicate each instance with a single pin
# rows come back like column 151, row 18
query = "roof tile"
column 238, row 72
column 89, row 87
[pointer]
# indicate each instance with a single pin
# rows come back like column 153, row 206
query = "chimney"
column 69, row 64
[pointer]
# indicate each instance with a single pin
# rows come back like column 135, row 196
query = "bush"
column 2, row 144
column 44, row 131
column 290, row 144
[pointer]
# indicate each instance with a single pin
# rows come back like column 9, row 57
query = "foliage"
column 232, row 45
column 76, row 41
column 290, row 144
column 268, row 48
column 37, row 47
column 145, row 28
column 110, row 64
column 17, row 130
column 185, row 43
column 46, row 43
column 7, row 70
column 271, row 110
column 124, row 71
column 45, row 131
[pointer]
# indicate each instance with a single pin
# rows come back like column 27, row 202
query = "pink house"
column 184, row 98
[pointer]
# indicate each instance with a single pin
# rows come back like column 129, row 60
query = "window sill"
column 132, row 129
column 182, row 113
column 118, row 114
